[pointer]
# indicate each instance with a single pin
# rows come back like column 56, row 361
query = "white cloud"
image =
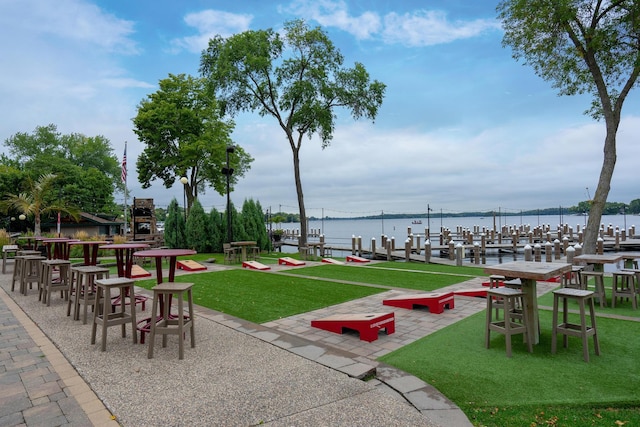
column 71, row 21
column 417, row 28
column 335, row 14
column 368, row 169
column 63, row 66
column 425, row 28
column 208, row 24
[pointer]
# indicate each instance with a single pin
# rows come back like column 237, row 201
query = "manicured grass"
column 434, row 268
column 538, row 389
column 386, row 277
column 262, row 297
column 623, row 306
column 530, row 389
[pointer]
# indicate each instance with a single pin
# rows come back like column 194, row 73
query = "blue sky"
column 463, row 126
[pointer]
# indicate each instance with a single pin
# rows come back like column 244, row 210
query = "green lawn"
column 261, row 297
column 538, row 389
column 396, row 278
column 530, row 389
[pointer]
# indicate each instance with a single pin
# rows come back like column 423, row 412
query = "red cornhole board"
column 137, row 271
column 332, row 261
column 436, row 301
column 190, row 265
column 476, row 292
column 367, row 324
column 290, row 261
column 353, row 258
column 255, row 265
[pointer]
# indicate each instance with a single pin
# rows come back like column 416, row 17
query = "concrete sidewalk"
column 239, row 373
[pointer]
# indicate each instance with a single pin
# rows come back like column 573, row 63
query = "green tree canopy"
column 581, row 46
column 298, row 78
column 184, row 136
column 86, row 170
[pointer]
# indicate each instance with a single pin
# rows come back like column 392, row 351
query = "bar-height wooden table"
column 529, row 273
column 124, row 256
column 598, row 261
column 243, row 245
column 144, row 325
column 629, row 258
column 89, row 250
column 57, row 247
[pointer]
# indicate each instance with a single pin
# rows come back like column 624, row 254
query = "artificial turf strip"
column 262, row 297
column 376, row 276
column 495, row 390
column 434, row 268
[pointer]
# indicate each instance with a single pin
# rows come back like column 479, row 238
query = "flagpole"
column 124, row 179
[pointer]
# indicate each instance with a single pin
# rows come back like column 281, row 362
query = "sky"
column 463, row 126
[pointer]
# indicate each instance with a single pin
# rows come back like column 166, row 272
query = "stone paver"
column 32, row 392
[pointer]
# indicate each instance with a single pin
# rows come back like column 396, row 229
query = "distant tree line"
column 611, row 208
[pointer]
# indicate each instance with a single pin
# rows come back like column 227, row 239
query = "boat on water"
column 417, row 221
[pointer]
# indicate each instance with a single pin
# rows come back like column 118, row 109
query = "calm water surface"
column 340, row 232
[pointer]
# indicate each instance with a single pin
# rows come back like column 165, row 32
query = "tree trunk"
column 303, row 214
column 602, row 191
column 37, row 230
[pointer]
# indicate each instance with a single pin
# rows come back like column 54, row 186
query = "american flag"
column 124, row 164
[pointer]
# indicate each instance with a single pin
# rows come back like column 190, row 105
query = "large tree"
column 297, row 77
column 581, row 46
column 86, row 168
column 185, row 137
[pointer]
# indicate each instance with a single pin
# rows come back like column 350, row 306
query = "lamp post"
column 184, row 181
column 228, row 171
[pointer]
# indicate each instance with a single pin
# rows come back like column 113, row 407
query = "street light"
column 184, row 181
column 228, row 171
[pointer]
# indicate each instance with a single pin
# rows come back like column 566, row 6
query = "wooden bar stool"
column 495, row 281
column 49, row 284
column 599, row 292
column 18, row 265
column 167, row 323
column 30, row 272
column 572, row 279
column 105, row 316
column 6, row 250
column 567, row 329
column 507, row 326
column 82, row 289
column 624, row 285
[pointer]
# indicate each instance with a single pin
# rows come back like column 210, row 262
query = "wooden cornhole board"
column 190, row 265
column 474, row 292
column 332, row 261
column 255, row 265
column 435, row 301
column 367, row 324
column 353, row 258
column 137, row 271
column 290, row 261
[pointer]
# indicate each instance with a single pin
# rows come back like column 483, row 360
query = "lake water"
column 338, row 232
